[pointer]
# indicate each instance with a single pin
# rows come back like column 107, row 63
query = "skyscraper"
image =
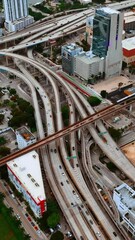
column 107, row 39
column 16, row 14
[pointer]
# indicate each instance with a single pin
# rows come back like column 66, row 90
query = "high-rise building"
column 68, row 53
column 16, row 14
column 107, row 39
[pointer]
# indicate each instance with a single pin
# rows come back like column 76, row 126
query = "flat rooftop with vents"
column 27, row 170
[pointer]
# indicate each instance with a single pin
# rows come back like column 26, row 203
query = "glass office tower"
column 107, row 39
column 101, row 32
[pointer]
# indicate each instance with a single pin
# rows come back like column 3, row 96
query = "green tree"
column 3, row 172
column 6, row 102
column 57, row 236
column 4, row 151
column 12, row 91
column 65, row 114
column 103, row 93
column 2, row 141
column 111, row 167
column 115, row 133
column 1, row 118
column 124, row 65
column 53, row 220
column 93, row 101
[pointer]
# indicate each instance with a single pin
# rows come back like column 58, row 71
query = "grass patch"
column 6, row 232
column 9, row 225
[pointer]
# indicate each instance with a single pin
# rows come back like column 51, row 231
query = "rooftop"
column 129, row 43
column 25, row 133
column 129, row 17
column 127, row 196
column 27, row 169
column 88, row 59
column 109, row 10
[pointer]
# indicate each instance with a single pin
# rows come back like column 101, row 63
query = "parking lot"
column 129, row 151
column 111, row 85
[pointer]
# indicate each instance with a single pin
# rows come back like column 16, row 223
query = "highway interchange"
column 73, row 184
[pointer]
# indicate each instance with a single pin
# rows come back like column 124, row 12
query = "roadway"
column 74, row 216
column 18, row 209
column 70, row 197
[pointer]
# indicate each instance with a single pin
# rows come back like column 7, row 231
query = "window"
column 36, row 184
column 29, row 175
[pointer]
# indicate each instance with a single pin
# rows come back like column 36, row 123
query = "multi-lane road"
column 86, row 213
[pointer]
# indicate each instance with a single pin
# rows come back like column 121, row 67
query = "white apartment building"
column 86, row 65
column 16, row 15
column 25, row 173
column 24, row 137
column 124, row 197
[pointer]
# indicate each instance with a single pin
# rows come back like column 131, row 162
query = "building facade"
column 24, row 137
column 87, row 65
column 16, row 15
column 68, row 53
column 107, row 39
column 25, row 173
column 128, row 45
column 124, row 197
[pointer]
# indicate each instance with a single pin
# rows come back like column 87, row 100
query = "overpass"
column 62, row 133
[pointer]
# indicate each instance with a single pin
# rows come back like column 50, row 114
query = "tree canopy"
column 2, row 141
column 4, row 151
column 115, row 133
column 104, row 93
column 57, row 236
column 53, row 220
column 65, row 114
column 1, row 118
column 93, row 101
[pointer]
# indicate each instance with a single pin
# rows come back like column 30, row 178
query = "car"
column 32, row 223
column 73, row 192
column 26, row 214
column 36, row 228
column 55, row 150
column 114, row 233
column 58, row 226
column 18, row 216
column 38, row 232
column 60, row 166
column 61, row 183
column 29, row 219
column 63, row 173
column 77, row 197
column 51, row 230
column 69, row 234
